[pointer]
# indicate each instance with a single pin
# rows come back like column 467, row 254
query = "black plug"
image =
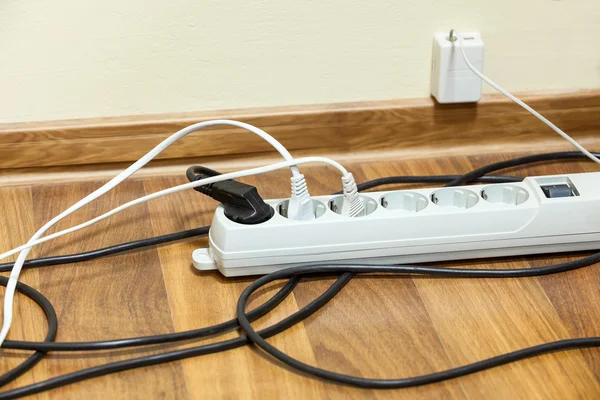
column 242, row 202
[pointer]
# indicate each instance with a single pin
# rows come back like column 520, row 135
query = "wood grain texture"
column 378, row 326
column 395, row 127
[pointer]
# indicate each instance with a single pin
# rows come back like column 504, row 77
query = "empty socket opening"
column 336, row 203
column 508, row 194
column 452, row 197
column 282, row 208
column 405, row 201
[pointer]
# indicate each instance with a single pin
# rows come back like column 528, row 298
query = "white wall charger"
column 451, row 80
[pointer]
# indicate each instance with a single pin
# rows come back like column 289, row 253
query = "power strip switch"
column 451, row 80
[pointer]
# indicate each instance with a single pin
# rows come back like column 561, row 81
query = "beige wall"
column 72, row 58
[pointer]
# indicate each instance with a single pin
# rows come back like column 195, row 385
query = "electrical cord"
column 411, row 270
column 516, row 162
column 108, row 251
column 522, row 103
column 223, row 327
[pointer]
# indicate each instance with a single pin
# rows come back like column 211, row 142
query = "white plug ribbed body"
column 353, row 205
column 301, row 207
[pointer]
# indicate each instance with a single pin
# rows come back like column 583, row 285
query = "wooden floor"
column 380, row 327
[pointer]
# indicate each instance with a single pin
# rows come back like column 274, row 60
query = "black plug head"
column 241, row 201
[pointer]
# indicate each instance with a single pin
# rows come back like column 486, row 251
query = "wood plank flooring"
column 382, row 327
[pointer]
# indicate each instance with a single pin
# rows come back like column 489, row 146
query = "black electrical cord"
column 107, row 251
column 517, row 162
column 391, row 180
column 396, row 180
column 411, row 270
column 52, row 319
column 223, row 327
column 119, row 366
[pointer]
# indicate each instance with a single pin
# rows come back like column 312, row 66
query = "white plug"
column 451, row 80
column 301, row 206
column 353, row 205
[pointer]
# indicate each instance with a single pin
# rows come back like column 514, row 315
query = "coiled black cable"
column 411, row 270
column 223, row 327
column 119, row 366
column 517, row 162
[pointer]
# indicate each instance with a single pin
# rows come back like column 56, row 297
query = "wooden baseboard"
column 400, row 128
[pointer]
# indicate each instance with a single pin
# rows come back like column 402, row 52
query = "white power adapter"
column 451, row 80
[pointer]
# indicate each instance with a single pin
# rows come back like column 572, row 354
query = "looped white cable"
column 18, row 265
column 175, row 189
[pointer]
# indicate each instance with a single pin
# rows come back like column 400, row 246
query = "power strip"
column 544, row 214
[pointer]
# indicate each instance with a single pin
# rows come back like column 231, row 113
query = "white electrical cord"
column 521, row 103
column 18, row 265
column 179, row 188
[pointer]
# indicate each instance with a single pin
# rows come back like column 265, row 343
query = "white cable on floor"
column 16, row 270
column 179, row 188
column 522, row 104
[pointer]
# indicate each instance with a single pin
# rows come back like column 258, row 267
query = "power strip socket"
column 544, row 214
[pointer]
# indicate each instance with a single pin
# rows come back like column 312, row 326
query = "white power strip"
column 539, row 215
